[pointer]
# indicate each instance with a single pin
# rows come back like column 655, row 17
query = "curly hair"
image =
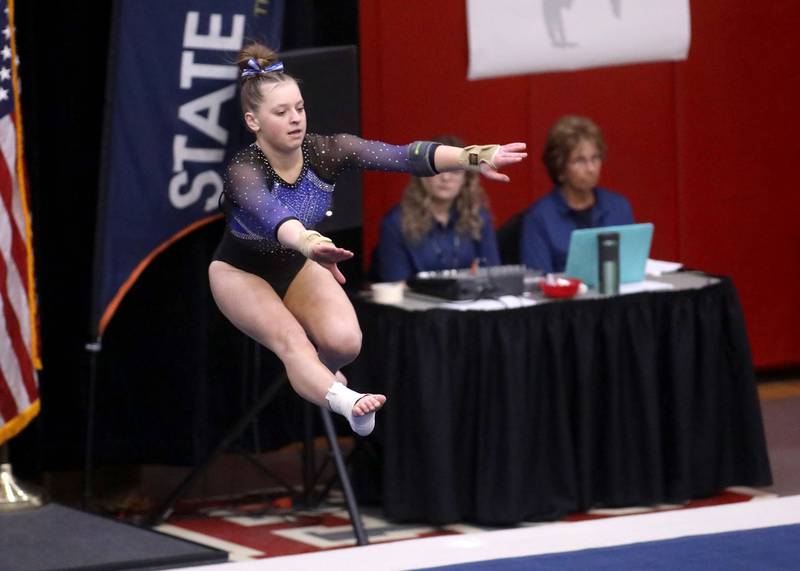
column 417, row 217
column 563, row 137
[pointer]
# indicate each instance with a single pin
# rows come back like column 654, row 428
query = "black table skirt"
column 529, row 414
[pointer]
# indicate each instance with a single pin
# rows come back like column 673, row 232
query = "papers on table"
column 659, row 267
column 515, row 301
column 490, row 304
column 645, row 285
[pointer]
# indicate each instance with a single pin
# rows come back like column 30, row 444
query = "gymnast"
column 273, row 276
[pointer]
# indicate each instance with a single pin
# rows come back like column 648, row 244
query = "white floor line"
column 554, row 538
column 235, row 551
column 755, row 492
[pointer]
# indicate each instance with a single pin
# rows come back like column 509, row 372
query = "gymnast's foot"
column 359, row 409
column 368, row 403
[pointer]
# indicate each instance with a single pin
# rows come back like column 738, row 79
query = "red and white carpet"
column 256, row 531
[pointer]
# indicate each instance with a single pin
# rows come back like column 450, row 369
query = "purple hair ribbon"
column 254, row 69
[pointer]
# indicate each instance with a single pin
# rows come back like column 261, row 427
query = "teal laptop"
column 634, row 249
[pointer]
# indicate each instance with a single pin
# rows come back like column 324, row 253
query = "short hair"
column 563, row 137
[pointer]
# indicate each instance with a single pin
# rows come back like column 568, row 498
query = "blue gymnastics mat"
column 762, row 548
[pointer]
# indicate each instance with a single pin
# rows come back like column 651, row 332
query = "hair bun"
column 263, row 56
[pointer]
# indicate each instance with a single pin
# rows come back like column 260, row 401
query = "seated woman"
column 573, row 155
column 441, row 223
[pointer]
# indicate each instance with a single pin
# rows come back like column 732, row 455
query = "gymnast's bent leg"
column 254, row 308
column 323, row 309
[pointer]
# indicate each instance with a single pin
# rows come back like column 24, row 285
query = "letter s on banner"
column 181, row 199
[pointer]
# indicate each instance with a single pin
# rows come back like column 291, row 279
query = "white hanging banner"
column 512, row 37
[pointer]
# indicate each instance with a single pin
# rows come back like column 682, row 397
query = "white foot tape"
column 342, row 400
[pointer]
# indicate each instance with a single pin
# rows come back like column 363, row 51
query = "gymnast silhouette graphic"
column 553, row 11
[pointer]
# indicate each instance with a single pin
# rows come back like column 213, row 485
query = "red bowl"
column 562, row 287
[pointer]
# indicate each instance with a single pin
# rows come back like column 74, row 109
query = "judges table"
column 532, row 413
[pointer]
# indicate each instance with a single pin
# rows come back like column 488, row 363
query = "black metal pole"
column 349, row 496
column 88, row 457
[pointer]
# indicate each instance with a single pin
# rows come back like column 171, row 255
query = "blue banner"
column 173, row 119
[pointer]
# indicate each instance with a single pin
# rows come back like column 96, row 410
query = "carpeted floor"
column 255, row 530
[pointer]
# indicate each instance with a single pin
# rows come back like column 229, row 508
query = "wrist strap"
column 309, row 239
column 471, row 157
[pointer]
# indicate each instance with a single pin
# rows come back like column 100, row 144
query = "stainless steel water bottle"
column 608, row 263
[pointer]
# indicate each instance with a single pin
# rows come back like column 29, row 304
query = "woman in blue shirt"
column 441, row 223
column 573, row 155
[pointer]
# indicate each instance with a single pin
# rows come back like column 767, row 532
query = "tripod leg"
column 167, row 507
column 344, row 478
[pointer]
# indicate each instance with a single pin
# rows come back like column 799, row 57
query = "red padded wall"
column 704, row 149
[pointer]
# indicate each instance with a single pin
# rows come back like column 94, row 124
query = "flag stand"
column 12, row 496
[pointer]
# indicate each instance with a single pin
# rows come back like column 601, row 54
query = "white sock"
column 342, row 400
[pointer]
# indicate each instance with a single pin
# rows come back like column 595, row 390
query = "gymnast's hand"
column 328, row 256
column 506, row 155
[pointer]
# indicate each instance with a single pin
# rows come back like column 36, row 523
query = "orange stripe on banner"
column 111, row 309
column 10, row 429
column 23, row 191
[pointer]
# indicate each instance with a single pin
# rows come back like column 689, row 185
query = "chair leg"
column 344, row 478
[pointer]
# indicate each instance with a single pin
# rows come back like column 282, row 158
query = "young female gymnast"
column 275, row 278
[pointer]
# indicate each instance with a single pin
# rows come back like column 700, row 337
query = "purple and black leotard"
column 256, row 200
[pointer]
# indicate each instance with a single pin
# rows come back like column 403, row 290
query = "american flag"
column 19, row 390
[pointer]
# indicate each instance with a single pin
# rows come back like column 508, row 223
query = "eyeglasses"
column 585, row 161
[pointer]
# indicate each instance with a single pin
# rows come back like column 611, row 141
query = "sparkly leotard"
column 256, row 200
